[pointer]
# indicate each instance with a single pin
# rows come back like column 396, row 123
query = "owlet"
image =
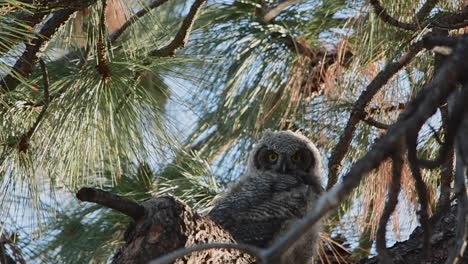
column 281, row 185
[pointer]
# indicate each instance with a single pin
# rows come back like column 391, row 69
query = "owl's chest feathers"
column 256, row 208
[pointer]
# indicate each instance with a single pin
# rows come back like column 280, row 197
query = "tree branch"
column 382, row 13
column 419, row 110
column 390, row 205
column 24, row 66
column 372, row 122
column 182, row 35
column 460, row 178
column 421, row 189
column 425, row 10
column 116, row 34
column 179, row 253
column 358, row 113
column 102, row 66
column 113, row 201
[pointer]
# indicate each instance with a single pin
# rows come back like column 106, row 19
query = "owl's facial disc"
column 298, row 163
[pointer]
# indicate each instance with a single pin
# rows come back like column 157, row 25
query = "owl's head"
column 287, row 152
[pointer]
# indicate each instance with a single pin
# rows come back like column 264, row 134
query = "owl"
column 281, row 185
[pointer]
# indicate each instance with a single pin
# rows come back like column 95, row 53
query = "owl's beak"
column 282, row 167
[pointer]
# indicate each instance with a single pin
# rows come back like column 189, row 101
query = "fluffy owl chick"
column 282, row 184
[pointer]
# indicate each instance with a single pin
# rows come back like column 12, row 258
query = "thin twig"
column 419, row 110
column 390, row 205
column 358, row 113
column 372, row 122
column 113, row 201
column 182, row 35
column 378, row 110
column 116, row 34
column 179, row 253
column 382, row 13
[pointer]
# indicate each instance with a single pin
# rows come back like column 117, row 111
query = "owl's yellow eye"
column 296, row 158
column 272, row 156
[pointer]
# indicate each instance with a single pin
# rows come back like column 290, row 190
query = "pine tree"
column 147, row 98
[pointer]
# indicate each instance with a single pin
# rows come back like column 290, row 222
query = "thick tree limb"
column 182, row 35
column 460, row 177
column 167, row 225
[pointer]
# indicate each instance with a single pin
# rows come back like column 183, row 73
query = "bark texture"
column 168, row 224
column 441, row 243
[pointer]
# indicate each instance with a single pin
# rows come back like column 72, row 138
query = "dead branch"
column 182, row 35
column 107, row 199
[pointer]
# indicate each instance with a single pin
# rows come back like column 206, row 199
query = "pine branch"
column 23, row 142
column 419, row 110
column 181, row 38
column 102, row 66
column 116, row 34
column 358, row 112
column 24, row 66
